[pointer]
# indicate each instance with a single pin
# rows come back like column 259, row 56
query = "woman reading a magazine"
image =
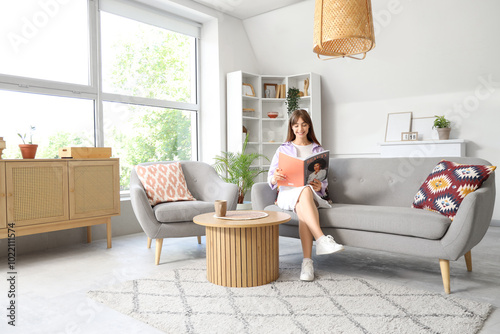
column 302, row 142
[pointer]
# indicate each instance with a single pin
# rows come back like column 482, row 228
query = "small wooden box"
column 85, row 152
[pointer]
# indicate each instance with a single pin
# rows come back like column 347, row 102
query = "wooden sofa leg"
column 445, row 274
column 149, row 242
column 199, row 240
column 468, row 260
column 159, row 244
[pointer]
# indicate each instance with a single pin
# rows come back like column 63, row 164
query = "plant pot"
column 28, row 151
column 244, row 206
column 444, row 133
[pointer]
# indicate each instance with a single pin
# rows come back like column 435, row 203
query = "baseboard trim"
column 495, row 222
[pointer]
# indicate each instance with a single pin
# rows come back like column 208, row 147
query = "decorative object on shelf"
column 2, row 146
column 268, row 93
column 292, row 99
column 306, row 87
column 409, row 136
column 397, row 123
column 236, row 168
column 272, row 114
column 423, row 125
column 273, row 88
column 280, row 91
column 248, row 112
column 442, row 125
column 343, row 28
column 85, row 152
column 248, row 90
column 28, row 150
column 245, row 133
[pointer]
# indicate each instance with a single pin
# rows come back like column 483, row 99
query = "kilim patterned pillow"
column 164, row 183
column 446, row 186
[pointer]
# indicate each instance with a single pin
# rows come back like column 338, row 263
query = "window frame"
column 93, row 91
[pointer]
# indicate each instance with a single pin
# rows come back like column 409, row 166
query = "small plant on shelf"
column 442, row 125
column 441, row 122
column 292, row 99
column 28, row 149
column 23, row 137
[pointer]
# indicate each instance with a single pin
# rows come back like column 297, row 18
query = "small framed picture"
column 248, row 90
column 409, row 136
column 270, row 90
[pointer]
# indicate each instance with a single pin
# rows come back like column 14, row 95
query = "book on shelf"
column 302, row 171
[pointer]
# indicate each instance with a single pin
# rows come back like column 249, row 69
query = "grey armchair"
column 175, row 219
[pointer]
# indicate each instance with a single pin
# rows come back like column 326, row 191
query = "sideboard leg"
column 108, row 233
column 89, row 234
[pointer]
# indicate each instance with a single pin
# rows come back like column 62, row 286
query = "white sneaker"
column 307, row 272
column 326, row 245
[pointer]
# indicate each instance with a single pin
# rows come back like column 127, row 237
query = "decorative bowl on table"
column 272, row 114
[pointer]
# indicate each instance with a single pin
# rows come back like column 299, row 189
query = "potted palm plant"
column 28, row 150
column 236, row 168
column 442, row 125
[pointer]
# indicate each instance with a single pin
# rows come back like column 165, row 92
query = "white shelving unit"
column 265, row 133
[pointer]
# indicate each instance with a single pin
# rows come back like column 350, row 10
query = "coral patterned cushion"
column 164, row 183
column 447, row 185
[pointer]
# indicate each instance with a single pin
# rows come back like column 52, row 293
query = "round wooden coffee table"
column 242, row 252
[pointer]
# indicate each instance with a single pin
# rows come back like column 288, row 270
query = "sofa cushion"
column 182, row 211
column 164, row 183
column 381, row 219
column 446, row 186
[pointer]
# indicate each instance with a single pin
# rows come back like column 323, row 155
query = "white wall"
column 431, row 57
column 224, row 48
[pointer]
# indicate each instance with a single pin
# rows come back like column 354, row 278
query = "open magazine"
column 302, row 171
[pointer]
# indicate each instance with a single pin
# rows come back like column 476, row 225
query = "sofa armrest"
column 143, row 210
column 214, row 188
column 262, row 195
column 472, row 220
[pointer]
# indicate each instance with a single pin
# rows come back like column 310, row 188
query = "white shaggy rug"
column 183, row 301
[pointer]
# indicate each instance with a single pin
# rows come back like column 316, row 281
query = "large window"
column 99, row 73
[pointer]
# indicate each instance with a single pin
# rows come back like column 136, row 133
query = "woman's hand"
column 316, row 185
column 278, row 176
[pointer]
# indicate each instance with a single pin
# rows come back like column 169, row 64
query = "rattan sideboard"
column 46, row 195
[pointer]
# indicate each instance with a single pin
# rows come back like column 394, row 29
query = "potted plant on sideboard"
column 28, row 150
column 442, row 125
column 236, row 168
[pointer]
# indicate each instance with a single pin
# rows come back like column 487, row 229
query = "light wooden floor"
column 52, row 285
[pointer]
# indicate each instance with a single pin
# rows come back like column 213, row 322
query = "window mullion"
column 95, row 68
column 149, row 102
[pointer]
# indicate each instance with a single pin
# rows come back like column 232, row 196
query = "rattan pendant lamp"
column 343, row 28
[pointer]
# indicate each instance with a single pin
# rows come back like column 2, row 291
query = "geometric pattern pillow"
column 446, row 186
column 164, row 183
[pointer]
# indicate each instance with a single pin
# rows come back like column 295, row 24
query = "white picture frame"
column 397, row 123
column 423, row 125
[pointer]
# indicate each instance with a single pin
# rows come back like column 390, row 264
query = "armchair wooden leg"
column 149, row 242
column 445, row 274
column 468, row 260
column 159, row 244
column 199, row 240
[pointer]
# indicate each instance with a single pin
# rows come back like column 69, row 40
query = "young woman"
column 301, row 142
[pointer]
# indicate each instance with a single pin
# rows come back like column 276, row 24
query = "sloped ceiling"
column 244, row 9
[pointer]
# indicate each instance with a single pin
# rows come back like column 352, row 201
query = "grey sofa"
column 175, row 219
column 372, row 209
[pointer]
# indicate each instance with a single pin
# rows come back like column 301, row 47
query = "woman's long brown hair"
column 294, row 118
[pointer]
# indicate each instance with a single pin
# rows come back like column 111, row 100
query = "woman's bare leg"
column 308, row 220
